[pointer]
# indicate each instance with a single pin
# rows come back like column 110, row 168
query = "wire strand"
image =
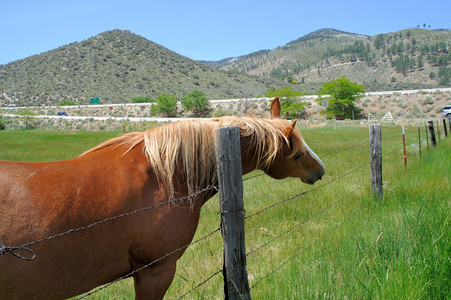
column 305, row 192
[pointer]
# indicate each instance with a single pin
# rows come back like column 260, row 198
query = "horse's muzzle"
column 314, row 177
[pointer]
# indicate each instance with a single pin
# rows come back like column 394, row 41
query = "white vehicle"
column 446, row 112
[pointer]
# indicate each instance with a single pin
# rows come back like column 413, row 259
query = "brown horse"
column 122, row 175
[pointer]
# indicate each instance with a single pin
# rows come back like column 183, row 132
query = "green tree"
column 445, row 75
column 165, row 105
column 66, row 102
column 342, row 95
column 195, row 101
column 379, row 41
column 2, row 124
column 290, row 107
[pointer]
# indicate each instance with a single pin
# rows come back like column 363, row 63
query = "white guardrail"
column 150, row 119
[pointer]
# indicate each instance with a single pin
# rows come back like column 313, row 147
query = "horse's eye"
column 298, row 156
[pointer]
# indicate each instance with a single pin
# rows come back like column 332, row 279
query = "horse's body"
column 42, row 199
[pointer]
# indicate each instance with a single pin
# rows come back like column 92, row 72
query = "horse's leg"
column 153, row 282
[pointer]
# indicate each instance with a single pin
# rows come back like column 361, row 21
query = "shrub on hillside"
column 196, row 102
column 165, row 105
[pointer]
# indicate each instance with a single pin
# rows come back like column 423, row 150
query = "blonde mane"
column 189, row 145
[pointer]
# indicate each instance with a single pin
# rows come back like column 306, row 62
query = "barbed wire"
column 149, row 264
column 25, row 247
column 392, row 152
column 344, row 149
column 200, row 284
column 395, row 136
column 350, row 216
column 353, row 215
column 290, row 230
column 306, row 220
column 252, row 177
column 305, row 192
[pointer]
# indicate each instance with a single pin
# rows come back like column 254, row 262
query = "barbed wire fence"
column 388, row 169
column 415, row 147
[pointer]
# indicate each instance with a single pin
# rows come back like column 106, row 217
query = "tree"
column 342, row 95
column 195, row 101
column 165, row 105
column 2, row 124
column 290, row 107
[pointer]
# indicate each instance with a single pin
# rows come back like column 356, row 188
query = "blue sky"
column 204, row 30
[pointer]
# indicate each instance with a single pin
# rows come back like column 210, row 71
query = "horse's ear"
column 275, row 108
column 290, row 131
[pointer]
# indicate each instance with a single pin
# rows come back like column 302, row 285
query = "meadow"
column 333, row 240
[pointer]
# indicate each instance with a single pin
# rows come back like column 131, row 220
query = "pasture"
column 332, row 240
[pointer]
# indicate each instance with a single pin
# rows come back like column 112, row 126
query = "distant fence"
column 232, row 208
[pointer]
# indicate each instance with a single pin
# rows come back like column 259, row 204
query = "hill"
column 116, row 66
column 411, row 58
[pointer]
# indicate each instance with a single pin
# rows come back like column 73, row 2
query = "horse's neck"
column 249, row 160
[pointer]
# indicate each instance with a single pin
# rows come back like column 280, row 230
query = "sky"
column 204, row 30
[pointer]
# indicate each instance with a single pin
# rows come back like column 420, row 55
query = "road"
column 150, row 119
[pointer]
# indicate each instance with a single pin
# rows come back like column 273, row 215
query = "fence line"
column 148, row 265
column 200, row 284
column 344, row 149
column 252, row 177
column 318, row 213
column 308, row 247
column 291, row 198
column 305, row 220
column 24, row 247
column 352, row 215
column 305, row 192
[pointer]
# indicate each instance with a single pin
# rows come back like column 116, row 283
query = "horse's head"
column 296, row 158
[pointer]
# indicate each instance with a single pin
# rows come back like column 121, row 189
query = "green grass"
column 333, row 255
column 39, row 145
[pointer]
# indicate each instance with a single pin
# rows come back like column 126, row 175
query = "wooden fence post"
column 419, row 138
column 438, row 130
column 404, row 147
column 376, row 159
column 228, row 158
column 432, row 133
column 444, row 127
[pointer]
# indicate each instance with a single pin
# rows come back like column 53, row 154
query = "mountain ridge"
column 410, row 58
column 118, row 65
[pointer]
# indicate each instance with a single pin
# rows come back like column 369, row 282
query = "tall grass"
column 335, row 242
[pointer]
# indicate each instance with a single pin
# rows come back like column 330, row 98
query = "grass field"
column 335, row 242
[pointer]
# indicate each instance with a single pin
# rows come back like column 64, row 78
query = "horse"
column 125, row 174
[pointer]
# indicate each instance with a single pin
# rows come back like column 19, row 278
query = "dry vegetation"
column 403, row 107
